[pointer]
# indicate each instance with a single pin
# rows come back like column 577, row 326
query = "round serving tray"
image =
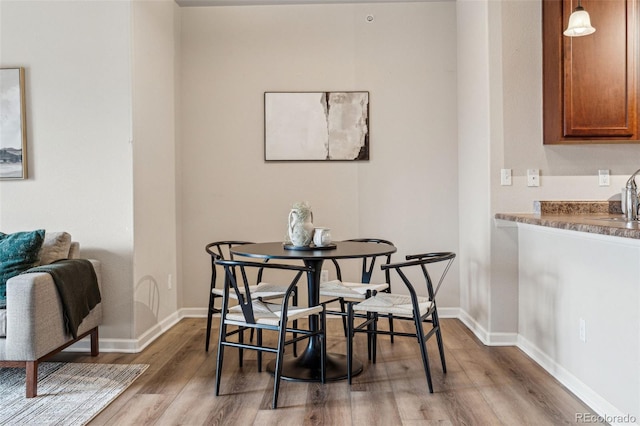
column 309, row 247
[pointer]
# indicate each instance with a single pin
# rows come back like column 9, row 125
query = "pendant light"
column 579, row 23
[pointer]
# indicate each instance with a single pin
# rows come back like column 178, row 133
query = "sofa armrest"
column 35, row 322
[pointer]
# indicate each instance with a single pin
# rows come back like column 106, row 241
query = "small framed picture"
column 13, row 127
column 316, row 126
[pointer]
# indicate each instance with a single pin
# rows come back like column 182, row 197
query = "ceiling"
column 195, row 3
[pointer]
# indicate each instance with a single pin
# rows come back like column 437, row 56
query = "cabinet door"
column 590, row 82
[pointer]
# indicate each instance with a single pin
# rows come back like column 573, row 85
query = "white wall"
column 76, row 58
column 155, row 58
column 566, row 277
column 474, row 135
column 407, row 191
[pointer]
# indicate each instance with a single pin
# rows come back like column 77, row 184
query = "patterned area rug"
column 68, row 393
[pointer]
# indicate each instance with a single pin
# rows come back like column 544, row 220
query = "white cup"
column 321, row 237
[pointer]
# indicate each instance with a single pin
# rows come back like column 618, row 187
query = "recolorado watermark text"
column 595, row 418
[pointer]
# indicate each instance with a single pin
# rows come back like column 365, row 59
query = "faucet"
column 632, row 198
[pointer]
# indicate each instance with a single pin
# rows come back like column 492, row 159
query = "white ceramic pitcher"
column 300, row 226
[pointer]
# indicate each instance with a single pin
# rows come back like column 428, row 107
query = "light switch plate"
column 505, row 177
column 533, row 177
column 603, row 177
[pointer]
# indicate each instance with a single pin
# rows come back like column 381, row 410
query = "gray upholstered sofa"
column 32, row 328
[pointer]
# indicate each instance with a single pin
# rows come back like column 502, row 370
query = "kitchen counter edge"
column 590, row 223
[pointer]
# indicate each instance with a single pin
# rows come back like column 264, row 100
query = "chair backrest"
column 221, row 250
column 368, row 262
column 241, row 286
column 423, row 260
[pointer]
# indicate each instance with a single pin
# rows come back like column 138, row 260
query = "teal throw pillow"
column 18, row 252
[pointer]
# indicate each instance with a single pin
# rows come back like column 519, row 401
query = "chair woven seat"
column 259, row 291
column 269, row 313
column 348, row 290
column 396, row 304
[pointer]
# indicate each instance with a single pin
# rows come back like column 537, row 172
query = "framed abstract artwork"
column 13, row 128
column 316, row 126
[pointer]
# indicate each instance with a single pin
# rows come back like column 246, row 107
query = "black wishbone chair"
column 350, row 292
column 262, row 315
column 220, row 250
column 418, row 309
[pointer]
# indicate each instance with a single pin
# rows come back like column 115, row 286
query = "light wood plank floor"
column 483, row 386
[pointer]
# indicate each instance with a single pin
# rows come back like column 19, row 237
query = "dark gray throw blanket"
column 77, row 285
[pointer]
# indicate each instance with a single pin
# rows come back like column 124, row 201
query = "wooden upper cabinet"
column 590, row 83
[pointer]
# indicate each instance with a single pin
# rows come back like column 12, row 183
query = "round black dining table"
column 307, row 366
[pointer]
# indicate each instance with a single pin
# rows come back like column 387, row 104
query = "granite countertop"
column 582, row 216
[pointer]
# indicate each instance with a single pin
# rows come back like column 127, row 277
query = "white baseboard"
column 131, row 345
column 137, row 345
column 601, row 406
column 475, row 327
column 156, row 331
column 448, row 312
column 193, row 313
column 106, row 345
column 486, row 337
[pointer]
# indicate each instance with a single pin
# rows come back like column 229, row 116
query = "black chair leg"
column 423, row 351
column 240, row 350
column 436, row 325
column 295, row 324
column 221, row 340
column 323, row 353
column 441, row 349
column 295, row 344
column 344, row 320
column 374, row 339
column 391, row 327
column 259, row 352
column 210, row 313
column 278, row 371
column 369, row 336
column 350, row 341
column 209, row 318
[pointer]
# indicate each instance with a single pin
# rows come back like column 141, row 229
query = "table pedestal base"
column 296, row 369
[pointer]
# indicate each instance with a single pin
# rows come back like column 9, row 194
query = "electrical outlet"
column 583, row 330
column 505, row 177
column 169, row 282
column 603, row 177
column 533, row 177
column 324, row 276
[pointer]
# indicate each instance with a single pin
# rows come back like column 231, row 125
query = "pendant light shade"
column 579, row 23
